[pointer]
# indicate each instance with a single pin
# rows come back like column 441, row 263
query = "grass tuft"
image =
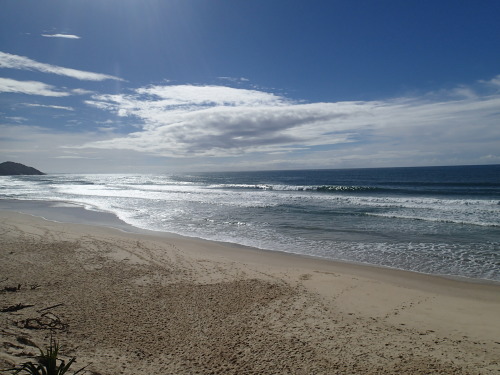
column 48, row 363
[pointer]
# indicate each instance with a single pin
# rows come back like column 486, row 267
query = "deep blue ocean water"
column 438, row 220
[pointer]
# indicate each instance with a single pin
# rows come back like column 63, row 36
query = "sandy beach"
column 129, row 303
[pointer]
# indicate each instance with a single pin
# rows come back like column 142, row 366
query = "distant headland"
column 10, row 168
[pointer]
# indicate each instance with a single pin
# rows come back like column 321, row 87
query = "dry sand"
column 138, row 304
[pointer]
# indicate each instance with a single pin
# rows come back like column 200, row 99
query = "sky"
column 160, row 86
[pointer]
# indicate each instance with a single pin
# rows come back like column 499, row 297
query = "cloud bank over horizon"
column 186, row 121
column 259, row 129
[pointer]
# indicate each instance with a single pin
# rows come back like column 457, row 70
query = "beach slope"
column 143, row 304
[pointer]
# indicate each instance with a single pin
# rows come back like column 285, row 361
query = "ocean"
column 435, row 220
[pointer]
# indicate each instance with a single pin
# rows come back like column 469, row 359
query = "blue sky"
column 165, row 86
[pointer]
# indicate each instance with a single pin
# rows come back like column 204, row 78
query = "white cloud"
column 8, row 60
column 28, row 143
column 251, row 129
column 107, row 129
column 234, row 79
column 17, row 119
column 189, row 95
column 74, row 157
column 29, row 88
column 495, row 81
column 66, row 36
column 49, row 106
column 196, row 121
column 82, row 92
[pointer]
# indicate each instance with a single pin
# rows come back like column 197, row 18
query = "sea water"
column 437, row 220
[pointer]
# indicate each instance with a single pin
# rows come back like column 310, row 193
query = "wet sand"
column 132, row 303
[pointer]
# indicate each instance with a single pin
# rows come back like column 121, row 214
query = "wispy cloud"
column 8, row 60
column 66, row 36
column 234, row 79
column 29, row 88
column 74, row 157
column 197, row 121
column 48, row 106
column 81, row 92
column 495, row 81
column 27, row 143
column 18, row 119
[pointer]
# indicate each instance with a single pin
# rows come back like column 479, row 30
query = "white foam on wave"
column 293, row 220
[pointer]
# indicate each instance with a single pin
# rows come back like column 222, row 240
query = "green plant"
column 48, row 363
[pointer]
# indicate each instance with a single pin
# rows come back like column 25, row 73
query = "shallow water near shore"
column 439, row 220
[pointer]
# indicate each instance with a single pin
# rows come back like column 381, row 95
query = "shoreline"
column 230, row 307
column 79, row 214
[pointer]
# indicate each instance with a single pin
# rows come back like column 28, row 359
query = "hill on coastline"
column 10, row 168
